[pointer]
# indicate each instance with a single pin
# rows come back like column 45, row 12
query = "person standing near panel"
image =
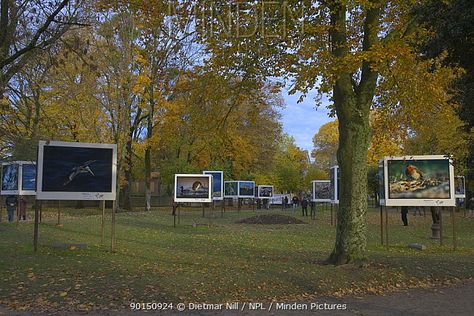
column 294, row 201
column 11, row 202
column 304, row 206
column 404, row 215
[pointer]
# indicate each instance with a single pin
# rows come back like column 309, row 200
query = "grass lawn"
column 222, row 262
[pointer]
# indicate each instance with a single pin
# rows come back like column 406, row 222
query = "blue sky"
column 303, row 120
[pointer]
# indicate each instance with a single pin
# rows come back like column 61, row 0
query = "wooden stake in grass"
column 114, row 209
column 454, row 229
column 59, row 214
column 103, row 222
column 441, row 226
column 386, row 227
column 35, row 233
column 381, row 225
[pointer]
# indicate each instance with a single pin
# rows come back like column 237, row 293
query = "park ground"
column 217, row 260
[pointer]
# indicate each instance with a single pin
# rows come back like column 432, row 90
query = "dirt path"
column 453, row 301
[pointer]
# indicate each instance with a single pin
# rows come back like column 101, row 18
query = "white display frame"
column 20, row 190
column 460, row 196
column 57, row 195
column 242, row 196
column 313, row 190
column 231, row 196
column 335, row 186
column 193, row 200
column 451, row 201
column 264, row 186
column 211, row 172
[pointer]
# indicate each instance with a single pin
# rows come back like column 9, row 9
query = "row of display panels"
column 64, row 171
column 411, row 181
column 210, row 186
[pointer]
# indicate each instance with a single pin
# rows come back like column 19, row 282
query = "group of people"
column 12, row 203
column 295, row 201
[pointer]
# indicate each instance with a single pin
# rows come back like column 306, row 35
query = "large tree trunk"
column 352, row 101
column 351, row 217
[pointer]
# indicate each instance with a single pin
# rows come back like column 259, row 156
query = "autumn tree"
column 29, row 26
column 343, row 48
column 326, row 142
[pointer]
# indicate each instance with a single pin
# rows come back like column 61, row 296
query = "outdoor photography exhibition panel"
column 419, row 181
column 265, row 191
column 231, row 189
column 246, row 189
column 10, row 176
column 76, row 171
column 321, row 191
column 217, row 184
column 192, row 188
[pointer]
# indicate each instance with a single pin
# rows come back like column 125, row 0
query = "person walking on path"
column 404, row 215
column 285, row 202
column 304, row 206
column 11, row 202
column 294, row 201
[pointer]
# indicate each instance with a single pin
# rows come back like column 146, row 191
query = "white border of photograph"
column 231, row 196
column 313, row 190
column 252, row 196
column 193, row 200
column 333, row 170
column 98, row 196
column 460, row 196
column 217, row 198
column 420, row 202
column 261, row 186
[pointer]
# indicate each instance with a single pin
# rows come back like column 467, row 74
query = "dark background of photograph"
column 10, row 177
column 58, row 162
column 28, row 177
column 230, row 188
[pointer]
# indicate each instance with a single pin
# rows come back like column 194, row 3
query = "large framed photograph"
column 76, row 171
column 459, row 187
column 265, row 191
column 28, row 178
column 192, row 188
column 321, row 191
column 246, row 189
column 217, row 184
column 10, row 178
column 231, row 189
column 335, row 180
column 419, row 181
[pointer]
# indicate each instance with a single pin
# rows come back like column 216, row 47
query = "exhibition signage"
column 76, row 171
column 321, row 190
column 419, row 181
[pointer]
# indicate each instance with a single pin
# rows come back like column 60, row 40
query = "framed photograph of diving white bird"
column 265, row 191
column 459, row 187
column 321, row 190
column 231, row 189
column 217, row 184
column 10, row 178
column 419, row 181
column 76, row 171
column 193, row 188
